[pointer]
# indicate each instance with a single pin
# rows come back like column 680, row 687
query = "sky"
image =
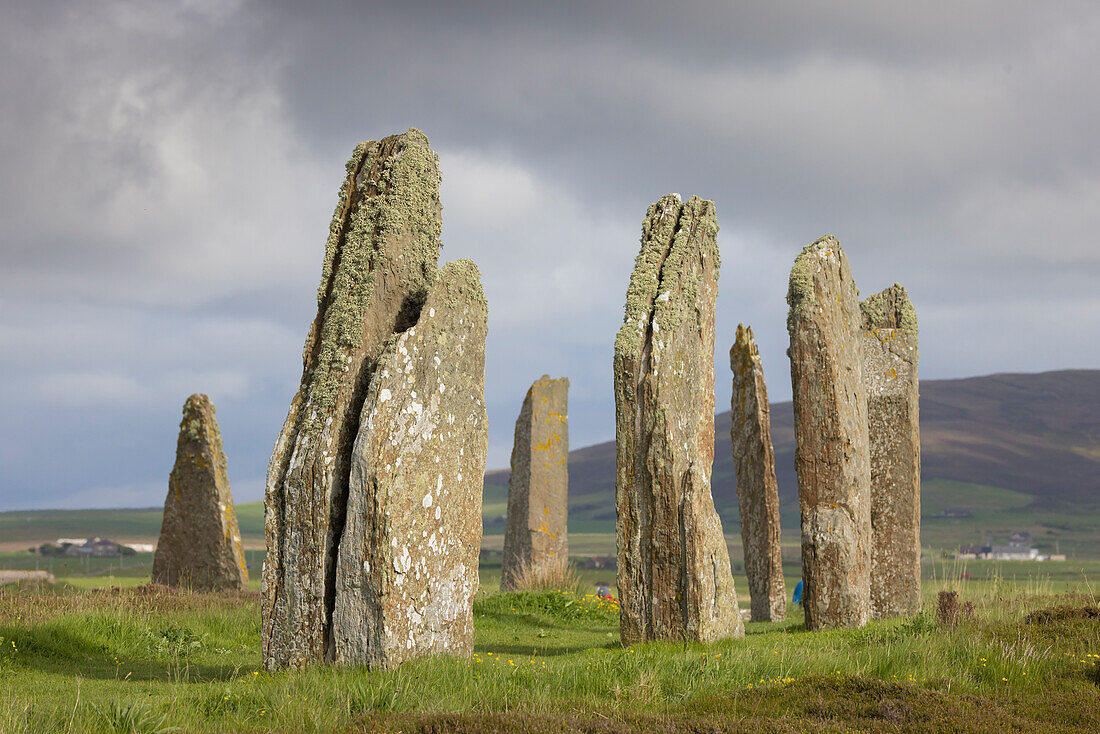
column 170, row 170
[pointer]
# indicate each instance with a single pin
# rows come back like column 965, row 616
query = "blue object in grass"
column 798, row 593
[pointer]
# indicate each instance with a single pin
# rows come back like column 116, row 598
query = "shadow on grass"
column 549, row 652
column 144, row 671
column 54, row 650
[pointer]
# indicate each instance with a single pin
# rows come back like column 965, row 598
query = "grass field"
column 144, row 659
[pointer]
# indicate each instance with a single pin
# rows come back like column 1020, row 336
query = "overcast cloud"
column 170, row 171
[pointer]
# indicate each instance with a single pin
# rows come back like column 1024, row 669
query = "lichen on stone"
column 800, row 288
column 400, row 199
column 889, row 309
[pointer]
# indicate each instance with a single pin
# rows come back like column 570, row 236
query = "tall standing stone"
column 830, row 421
column 890, row 354
column 200, row 542
column 674, row 573
column 535, row 539
column 380, row 260
column 408, row 558
column 757, row 490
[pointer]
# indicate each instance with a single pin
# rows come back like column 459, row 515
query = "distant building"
column 1019, row 548
column 96, row 547
column 956, row 512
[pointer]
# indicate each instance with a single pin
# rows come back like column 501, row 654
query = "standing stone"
column 673, row 567
column 200, row 543
column 408, row 558
column 757, row 490
column 890, row 378
column 380, row 260
column 535, row 539
column 830, row 421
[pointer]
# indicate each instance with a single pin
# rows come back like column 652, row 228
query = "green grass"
column 147, row 660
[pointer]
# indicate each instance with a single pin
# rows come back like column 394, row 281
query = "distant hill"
column 1035, row 434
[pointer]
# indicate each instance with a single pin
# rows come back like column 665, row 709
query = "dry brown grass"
column 549, row 577
column 949, row 612
column 45, row 601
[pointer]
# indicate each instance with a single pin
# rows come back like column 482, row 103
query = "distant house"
column 1018, row 549
column 956, row 512
column 96, row 547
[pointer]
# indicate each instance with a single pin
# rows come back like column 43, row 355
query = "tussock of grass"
column 549, row 577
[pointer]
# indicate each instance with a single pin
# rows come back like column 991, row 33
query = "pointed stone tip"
column 889, row 309
column 744, row 349
column 462, row 270
column 800, row 289
column 459, row 279
column 197, row 401
column 823, row 242
column 415, row 135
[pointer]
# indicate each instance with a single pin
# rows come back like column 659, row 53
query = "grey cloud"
column 171, row 170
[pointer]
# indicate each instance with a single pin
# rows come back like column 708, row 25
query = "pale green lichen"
column 392, row 190
column 889, row 309
column 658, row 229
column 683, row 270
column 800, row 288
column 458, row 283
column 673, row 233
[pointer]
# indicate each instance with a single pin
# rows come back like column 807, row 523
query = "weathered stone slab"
column 380, row 260
column 890, row 355
column 757, row 489
column 408, row 558
column 674, row 574
column 831, row 454
column 200, row 543
column 535, row 538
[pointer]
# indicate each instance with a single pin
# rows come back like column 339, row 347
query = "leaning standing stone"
column 674, row 572
column 757, row 490
column 830, row 421
column 380, row 260
column 535, row 540
column 890, row 357
column 408, row 559
column 200, row 543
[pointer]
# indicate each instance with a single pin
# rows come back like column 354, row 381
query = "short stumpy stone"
column 831, row 453
column 757, row 489
column 890, row 354
column 674, row 573
column 535, row 540
column 408, row 558
column 200, row 543
column 380, row 261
